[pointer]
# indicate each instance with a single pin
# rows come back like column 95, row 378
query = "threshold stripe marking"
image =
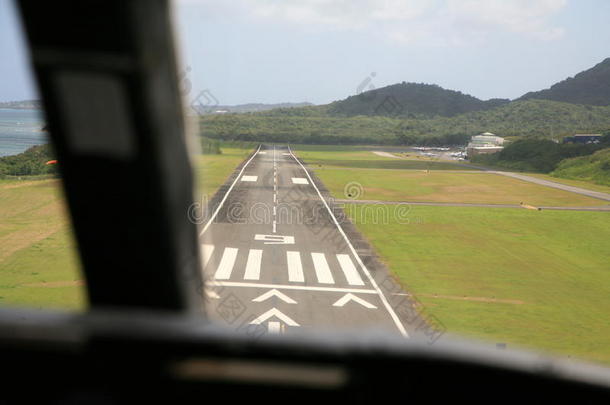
column 226, row 264
column 295, row 267
column 350, row 271
column 322, row 270
column 253, row 266
column 206, row 253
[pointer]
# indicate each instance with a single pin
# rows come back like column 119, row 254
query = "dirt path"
column 385, row 154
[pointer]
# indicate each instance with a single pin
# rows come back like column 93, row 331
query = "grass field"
column 38, row 262
column 549, row 269
column 368, row 160
column 444, row 186
column 39, row 266
column 211, row 171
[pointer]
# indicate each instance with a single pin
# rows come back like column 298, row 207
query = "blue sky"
column 321, row 50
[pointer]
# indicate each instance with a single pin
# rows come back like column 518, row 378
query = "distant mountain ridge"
column 589, row 87
column 409, row 99
column 22, row 104
column 251, row 107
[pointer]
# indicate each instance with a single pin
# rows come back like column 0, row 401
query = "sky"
column 271, row 51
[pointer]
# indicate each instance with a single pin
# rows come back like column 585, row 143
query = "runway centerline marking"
column 239, row 284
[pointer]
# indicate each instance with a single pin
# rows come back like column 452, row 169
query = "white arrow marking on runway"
column 274, row 327
column 278, row 294
column 351, row 297
column 274, row 312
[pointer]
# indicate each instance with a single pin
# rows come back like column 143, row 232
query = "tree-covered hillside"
column 590, row 87
column 530, row 118
column 410, row 99
column 595, row 168
column 536, row 155
column 31, row 162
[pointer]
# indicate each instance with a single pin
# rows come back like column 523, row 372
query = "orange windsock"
column 51, row 162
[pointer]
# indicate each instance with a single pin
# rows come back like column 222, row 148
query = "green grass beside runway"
column 368, row 160
column 39, row 266
column 556, row 263
column 448, row 187
column 38, row 262
column 211, row 171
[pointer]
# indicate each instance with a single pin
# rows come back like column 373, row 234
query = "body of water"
column 20, row 129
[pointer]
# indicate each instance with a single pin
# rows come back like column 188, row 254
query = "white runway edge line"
column 205, row 228
column 382, row 297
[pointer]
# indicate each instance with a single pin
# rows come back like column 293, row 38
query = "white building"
column 484, row 143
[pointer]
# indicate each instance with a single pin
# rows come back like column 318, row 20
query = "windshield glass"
column 400, row 167
column 39, row 265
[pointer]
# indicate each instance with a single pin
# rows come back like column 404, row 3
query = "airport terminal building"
column 484, row 143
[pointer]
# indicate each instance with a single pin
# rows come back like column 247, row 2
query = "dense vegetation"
column 410, row 100
column 31, row 162
column 595, row 168
column 537, row 155
column 313, row 125
column 210, row 146
column 591, row 87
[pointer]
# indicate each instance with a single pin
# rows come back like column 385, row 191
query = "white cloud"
column 441, row 22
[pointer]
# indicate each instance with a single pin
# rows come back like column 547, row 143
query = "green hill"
column 410, row 99
column 529, row 118
column 591, row 87
column 595, row 168
column 30, row 162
